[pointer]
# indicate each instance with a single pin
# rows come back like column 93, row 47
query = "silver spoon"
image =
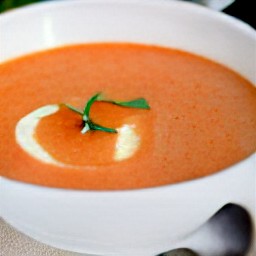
column 228, row 232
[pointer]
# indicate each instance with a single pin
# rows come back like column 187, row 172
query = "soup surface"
column 202, row 117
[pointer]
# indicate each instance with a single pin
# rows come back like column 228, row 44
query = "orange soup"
column 202, row 117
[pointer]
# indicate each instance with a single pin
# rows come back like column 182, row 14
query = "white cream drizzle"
column 25, row 130
column 127, row 143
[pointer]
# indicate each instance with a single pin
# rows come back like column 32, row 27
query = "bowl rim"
column 39, row 6
column 213, row 14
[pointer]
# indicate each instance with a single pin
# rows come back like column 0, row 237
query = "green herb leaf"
column 137, row 103
column 76, row 110
column 90, row 125
column 89, row 104
column 98, row 127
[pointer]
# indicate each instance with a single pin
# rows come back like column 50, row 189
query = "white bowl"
column 143, row 221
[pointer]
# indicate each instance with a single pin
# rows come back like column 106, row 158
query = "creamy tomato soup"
column 202, row 117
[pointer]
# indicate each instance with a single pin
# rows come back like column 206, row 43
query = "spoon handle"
column 229, row 232
column 179, row 252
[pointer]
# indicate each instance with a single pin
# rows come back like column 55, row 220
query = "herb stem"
column 90, row 125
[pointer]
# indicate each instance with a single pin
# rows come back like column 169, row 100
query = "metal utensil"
column 228, row 232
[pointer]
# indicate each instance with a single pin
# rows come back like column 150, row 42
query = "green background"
column 6, row 5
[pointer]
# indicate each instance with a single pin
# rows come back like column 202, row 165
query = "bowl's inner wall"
column 179, row 25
